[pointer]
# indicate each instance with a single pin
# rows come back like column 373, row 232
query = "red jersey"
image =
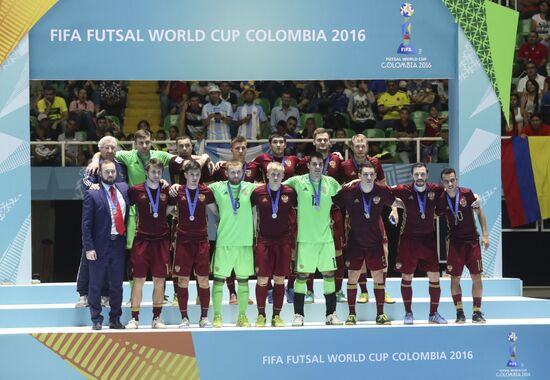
column 147, row 226
column 196, row 229
column 270, row 228
column 433, row 126
column 365, row 232
column 176, row 171
column 348, row 169
column 465, row 227
column 331, row 166
column 290, row 164
column 413, row 224
column 533, row 54
column 252, row 173
column 544, row 130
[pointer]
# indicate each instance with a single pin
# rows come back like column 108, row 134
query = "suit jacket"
column 96, row 218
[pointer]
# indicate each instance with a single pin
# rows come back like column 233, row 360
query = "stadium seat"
column 445, row 127
column 374, row 133
column 443, row 155
column 525, row 26
column 419, row 117
column 346, row 118
column 170, row 120
column 293, row 102
column 114, row 120
column 319, row 123
column 34, row 122
column 349, row 132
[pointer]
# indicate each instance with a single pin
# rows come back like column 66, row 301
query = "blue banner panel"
column 240, row 40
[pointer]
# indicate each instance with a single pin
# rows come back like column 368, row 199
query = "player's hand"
column 218, row 165
column 91, row 255
column 339, row 155
column 485, row 242
column 211, row 167
column 92, row 168
column 351, row 183
column 395, row 216
column 174, row 190
column 477, row 202
column 94, row 186
column 164, row 184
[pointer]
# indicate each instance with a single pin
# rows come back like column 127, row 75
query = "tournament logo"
column 463, row 202
column 376, row 200
column 406, row 47
column 265, row 200
column 449, row 268
column 248, row 172
column 177, row 268
column 353, row 173
column 202, row 197
column 163, row 197
column 284, row 198
column 288, row 163
column 398, row 266
column 332, row 164
column 431, row 195
column 513, row 368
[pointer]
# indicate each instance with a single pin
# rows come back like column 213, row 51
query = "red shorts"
column 464, row 253
column 272, row 258
column 417, row 252
column 191, row 254
column 337, row 222
column 150, row 255
column 374, row 257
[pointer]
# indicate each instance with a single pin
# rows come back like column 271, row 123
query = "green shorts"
column 311, row 256
column 237, row 258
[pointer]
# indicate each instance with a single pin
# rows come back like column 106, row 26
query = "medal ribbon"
column 234, row 200
column 192, row 204
column 317, row 193
column 156, row 202
column 450, row 203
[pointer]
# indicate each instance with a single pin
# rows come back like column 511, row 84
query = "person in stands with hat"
column 217, row 117
column 250, row 117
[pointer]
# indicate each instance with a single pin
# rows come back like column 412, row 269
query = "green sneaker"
column 175, row 301
column 277, row 322
column 260, row 322
column 352, row 320
column 340, row 297
column 204, row 323
column 242, row 321
column 217, row 323
column 382, row 319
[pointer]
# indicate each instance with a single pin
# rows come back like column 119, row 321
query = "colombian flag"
column 526, row 179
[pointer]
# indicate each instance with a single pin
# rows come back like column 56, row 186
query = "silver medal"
column 274, row 216
column 423, row 216
column 191, row 218
column 155, row 215
column 367, row 215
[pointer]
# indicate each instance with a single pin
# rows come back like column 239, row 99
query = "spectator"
column 44, row 154
column 528, row 8
column 282, row 127
column 272, row 90
column 200, row 87
column 339, row 146
column 284, row 111
column 228, row 96
column 390, row 102
column 111, row 98
column 517, row 117
column 55, row 108
column 307, row 148
column 378, row 87
column 172, row 94
column 190, row 117
column 250, row 117
column 531, row 73
column 172, row 136
column 160, row 135
column 421, row 95
column 405, row 128
column 530, row 99
column 83, row 110
column 536, row 127
column 533, row 52
column 433, row 125
column 290, row 132
column 338, row 100
column 144, row 124
column 217, row 117
column 73, row 152
column 314, row 97
column 540, row 23
column 360, row 108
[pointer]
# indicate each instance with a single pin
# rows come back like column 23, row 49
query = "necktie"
column 119, row 220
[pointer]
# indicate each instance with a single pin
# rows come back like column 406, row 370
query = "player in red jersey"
column 417, row 245
column 364, row 202
column 192, row 246
column 151, row 247
column 251, row 173
column 176, row 167
column 463, row 241
column 348, row 172
column 274, row 204
column 331, row 168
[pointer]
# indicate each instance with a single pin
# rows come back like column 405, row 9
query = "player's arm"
column 88, row 226
column 483, row 223
column 291, row 182
column 214, row 209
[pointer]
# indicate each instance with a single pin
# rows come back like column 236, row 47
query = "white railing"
column 63, row 144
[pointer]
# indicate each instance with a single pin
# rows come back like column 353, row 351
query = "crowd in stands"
column 89, row 110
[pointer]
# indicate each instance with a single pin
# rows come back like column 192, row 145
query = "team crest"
column 288, row 163
column 202, row 197
column 449, row 268
column 398, row 266
column 284, row 198
column 353, row 174
column 248, row 172
column 143, row 196
column 264, row 200
column 177, row 268
column 332, row 164
column 411, row 197
column 184, row 198
column 431, row 195
column 376, row 200
column 324, row 190
column 463, row 202
column 163, row 197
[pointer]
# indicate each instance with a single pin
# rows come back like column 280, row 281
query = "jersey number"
column 313, row 203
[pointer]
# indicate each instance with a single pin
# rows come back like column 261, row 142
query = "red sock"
column 156, row 311
column 204, row 298
column 278, row 297
column 477, row 303
column 135, row 314
column 379, row 295
column 340, row 272
column 407, row 294
column 175, row 284
column 457, row 300
column 291, row 279
column 310, row 282
column 261, row 295
column 270, row 284
column 435, row 294
column 183, row 298
column 363, row 283
column 352, row 296
column 231, row 284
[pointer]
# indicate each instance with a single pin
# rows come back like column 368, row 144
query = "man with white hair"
column 217, row 117
column 107, row 148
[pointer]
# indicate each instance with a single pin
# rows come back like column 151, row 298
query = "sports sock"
column 261, row 295
column 477, row 304
column 242, row 295
column 379, row 296
column 300, row 286
column 457, row 300
column 135, row 313
column 340, row 272
column 157, row 308
column 435, row 293
column 352, row 296
column 278, row 297
column 363, row 283
column 217, row 295
column 183, row 297
column 204, row 298
column 175, row 284
column 329, row 285
column 231, row 284
column 406, row 294
column 330, row 300
column 299, row 302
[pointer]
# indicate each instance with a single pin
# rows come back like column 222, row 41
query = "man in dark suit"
column 104, row 239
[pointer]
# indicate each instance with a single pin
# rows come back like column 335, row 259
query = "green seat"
column 34, row 122
column 445, row 128
column 420, row 128
column 349, row 133
column 444, row 113
column 169, row 121
column 419, row 117
column 319, row 123
column 443, row 154
column 525, row 26
column 346, row 117
column 293, row 102
column 374, row 133
column 113, row 119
